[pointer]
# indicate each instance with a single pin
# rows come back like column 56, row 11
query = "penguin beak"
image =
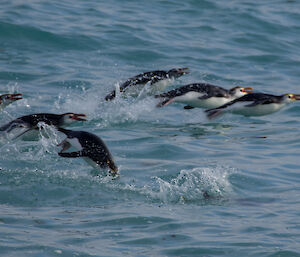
column 248, row 89
column 15, row 97
column 12, row 97
column 79, row 117
column 296, row 97
column 183, row 71
column 112, row 166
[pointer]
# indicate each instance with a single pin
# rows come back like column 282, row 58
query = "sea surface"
column 65, row 56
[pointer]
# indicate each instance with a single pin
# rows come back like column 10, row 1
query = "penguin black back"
column 91, row 146
column 146, row 77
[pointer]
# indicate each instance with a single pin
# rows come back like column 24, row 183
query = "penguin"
column 7, row 99
column 27, row 123
column 90, row 147
column 254, row 104
column 158, row 80
column 202, row 95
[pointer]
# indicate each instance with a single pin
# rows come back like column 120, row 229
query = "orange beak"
column 296, row 97
column 79, row 117
column 183, row 70
column 248, row 89
column 13, row 97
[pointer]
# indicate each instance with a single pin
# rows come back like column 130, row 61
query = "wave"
column 25, row 33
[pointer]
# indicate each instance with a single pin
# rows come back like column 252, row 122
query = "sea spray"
column 123, row 110
column 195, row 185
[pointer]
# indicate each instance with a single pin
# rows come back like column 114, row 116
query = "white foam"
column 49, row 137
column 104, row 113
column 194, row 185
column 122, row 110
column 78, row 102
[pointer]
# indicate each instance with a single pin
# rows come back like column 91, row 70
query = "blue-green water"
column 65, row 56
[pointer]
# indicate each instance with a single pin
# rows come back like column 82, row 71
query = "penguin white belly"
column 192, row 99
column 76, row 144
column 31, row 135
column 160, row 85
column 147, row 88
column 214, row 102
column 92, row 163
column 23, row 133
column 36, row 134
column 259, row 110
column 134, row 90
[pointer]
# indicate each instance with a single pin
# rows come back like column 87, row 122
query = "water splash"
column 194, row 185
column 123, row 110
column 49, row 138
column 12, row 87
column 120, row 110
column 77, row 101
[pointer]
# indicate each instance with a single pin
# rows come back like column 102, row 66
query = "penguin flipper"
column 165, row 102
column 213, row 113
column 72, row 154
column 188, row 107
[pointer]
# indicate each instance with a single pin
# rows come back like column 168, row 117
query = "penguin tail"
column 213, row 113
column 165, row 102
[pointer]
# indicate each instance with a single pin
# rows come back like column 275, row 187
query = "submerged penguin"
column 90, row 147
column 255, row 104
column 7, row 99
column 158, row 80
column 202, row 95
column 27, row 123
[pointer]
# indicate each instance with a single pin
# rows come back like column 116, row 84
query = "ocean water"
column 65, row 56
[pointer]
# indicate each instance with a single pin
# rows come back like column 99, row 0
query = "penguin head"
column 112, row 166
column 175, row 73
column 6, row 99
column 69, row 118
column 288, row 98
column 237, row 92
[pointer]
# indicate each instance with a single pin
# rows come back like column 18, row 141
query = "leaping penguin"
column 158, row 81
column 255, row 104
column 202, row 95
column 27, row 123
column 90, row 147
column 7, row 99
